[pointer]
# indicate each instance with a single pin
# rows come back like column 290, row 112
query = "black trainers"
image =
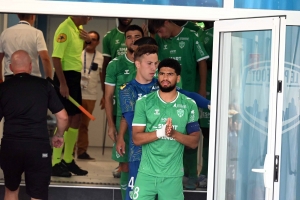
column 73, row 168
column 85, row 156
column 60, row 170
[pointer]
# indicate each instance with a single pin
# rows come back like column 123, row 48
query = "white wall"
column 101, row 25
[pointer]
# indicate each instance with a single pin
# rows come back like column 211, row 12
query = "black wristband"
column 88, row 42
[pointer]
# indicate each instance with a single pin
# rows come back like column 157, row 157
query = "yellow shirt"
column 67, row 46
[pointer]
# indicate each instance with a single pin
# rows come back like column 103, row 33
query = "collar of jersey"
column 119, row 31
column 157, row 92
column 128, row 58
column 72, row 24
column 177, row 34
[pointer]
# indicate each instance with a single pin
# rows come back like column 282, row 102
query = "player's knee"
column 124, row 167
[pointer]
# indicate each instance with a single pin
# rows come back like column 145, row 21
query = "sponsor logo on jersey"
column 164, row 120
column 61, row 38
column 126, row 71
column 206, row 40
column 180, row 112
column 166, row 138
column 165, row 47
column 181, row 44
column 172, row 51
column 156, row 112
column 123, row 86
column 177, row 58
column 154, row 87
column 159, row 126
column 117, row 42
column 179, row 106
column 183, row 38
column 199, row 49
column 192, row 116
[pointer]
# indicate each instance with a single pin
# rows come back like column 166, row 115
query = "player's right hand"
column 120, row 146
column 112, row 133
column 64, row 90
column 145, row 29
column 57, row 141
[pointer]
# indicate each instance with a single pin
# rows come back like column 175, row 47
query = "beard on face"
column 166, row 89
column 130, row 50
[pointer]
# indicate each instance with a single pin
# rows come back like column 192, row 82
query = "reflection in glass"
column 290, row 144
column 248, row 108
column 202, row 3
column 268, row 4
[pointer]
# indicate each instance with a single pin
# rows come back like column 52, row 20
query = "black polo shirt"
column 24, row 100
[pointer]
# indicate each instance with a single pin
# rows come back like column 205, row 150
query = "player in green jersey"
column 187, row 24
column 119, row 71
column 164, row 122
column 113, row 45
column 184, row 45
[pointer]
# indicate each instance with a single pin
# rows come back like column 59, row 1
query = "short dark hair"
column 180, row 22
column 134, row 28
column 95, row 32
column 154, row 24
column 170, row 62
column 145, row 40
column 145, row 49
column 25, row 16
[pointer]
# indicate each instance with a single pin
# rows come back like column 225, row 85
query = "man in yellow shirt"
column 68, row 44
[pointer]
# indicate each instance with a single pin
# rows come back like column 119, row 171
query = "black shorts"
column 73, row 82
column 32, row 158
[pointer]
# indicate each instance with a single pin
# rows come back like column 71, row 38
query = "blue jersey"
column 129, row 93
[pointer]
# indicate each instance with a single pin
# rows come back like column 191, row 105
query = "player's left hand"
column 202, row 92
column 169, row 128
column 120, row 146
column 57, row 141
column 84, row 35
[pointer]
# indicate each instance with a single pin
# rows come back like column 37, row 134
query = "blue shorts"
column 133, row 170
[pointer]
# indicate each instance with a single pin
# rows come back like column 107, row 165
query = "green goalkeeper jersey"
column 188, row 50
column 113, row 44
column 119, row 71
column 163, row 157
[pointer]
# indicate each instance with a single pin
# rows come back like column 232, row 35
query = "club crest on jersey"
column 165, row 47
column 117, row 42
column 126, row 71
column 156, row 112
column 181, row 44
column 140, row 95
column 180, row 112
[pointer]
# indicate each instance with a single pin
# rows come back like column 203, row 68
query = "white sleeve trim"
column 138, row 124
column 112, row 84
column 203, row 58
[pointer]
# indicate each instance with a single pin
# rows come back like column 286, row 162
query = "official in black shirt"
column 25, row 147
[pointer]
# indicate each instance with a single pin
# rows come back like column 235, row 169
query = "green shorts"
column 147, row 187
column 114, row 154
